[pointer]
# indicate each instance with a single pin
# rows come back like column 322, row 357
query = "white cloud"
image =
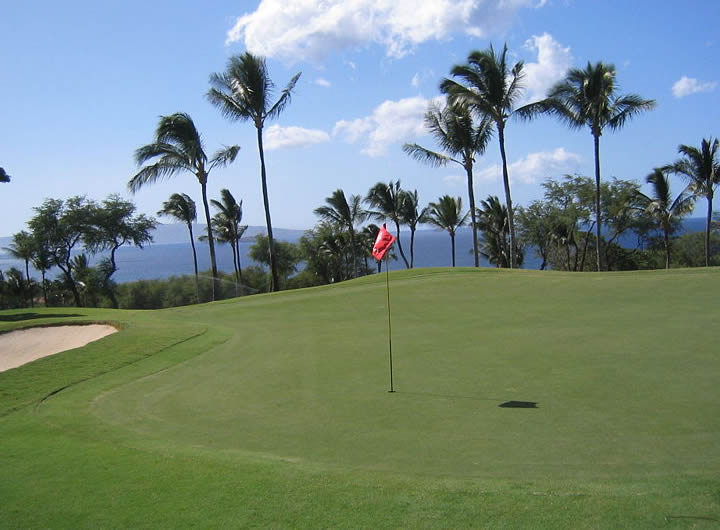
column 686, row 86
column 391, row 122
column 553, row 62
column 535, row 166
column 415, row 81
column 277, row 137
column 307, row 29
column 323, row 82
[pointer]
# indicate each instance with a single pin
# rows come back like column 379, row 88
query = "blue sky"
column 83, row 84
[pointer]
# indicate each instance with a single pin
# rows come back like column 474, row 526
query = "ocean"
column 171, row 255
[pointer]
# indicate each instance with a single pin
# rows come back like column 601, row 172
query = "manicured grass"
column 273, row 410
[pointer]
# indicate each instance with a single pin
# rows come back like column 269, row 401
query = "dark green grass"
column 274, row 411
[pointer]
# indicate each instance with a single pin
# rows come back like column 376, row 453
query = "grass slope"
column 273, row 410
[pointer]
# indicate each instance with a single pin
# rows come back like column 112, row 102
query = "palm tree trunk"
column 354, row 256
column 667, row 249
column 471, row 197
column 263, row 177
column 508, row 198
column 211, row 241
column 707, row 227
column 596, row 138
column 27, row 281
column 412, row 247
column 452, row 247
column 197, row 281
column 402, row 254
column 237, row 250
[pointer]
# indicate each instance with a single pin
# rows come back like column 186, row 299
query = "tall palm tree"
column 227, row 222
column 244, row 91
column 181, row 207
column 665, row 210
column 454, row 130
column 177, row 147
column 701, row 168
column 411, row 214
column 588, row 97
column 491, row 88
column 345, row 215
column 387, row 199
column 447, row 215
column 23, row 247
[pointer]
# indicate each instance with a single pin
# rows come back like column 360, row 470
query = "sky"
column 83, row 83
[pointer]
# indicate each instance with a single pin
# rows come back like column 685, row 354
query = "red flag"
column 383, row 242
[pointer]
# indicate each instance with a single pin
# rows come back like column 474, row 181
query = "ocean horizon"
column 171, row 255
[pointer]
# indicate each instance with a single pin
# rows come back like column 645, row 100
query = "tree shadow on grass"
column 18, row 317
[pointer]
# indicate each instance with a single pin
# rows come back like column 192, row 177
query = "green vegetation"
column 273, row 410
column 176, row 148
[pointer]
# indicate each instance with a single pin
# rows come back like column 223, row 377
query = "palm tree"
column 701, row 168
column 181, row 207
column 387, row 199
column 244, row 92
column 447, row 215
column 459, row 139
column 23, row 247
column 42, row 261
column 4, row 177
column 227, row 224
column 493, row 221
column 663, row 209
column 491, row 89
column 411, row 214
column 178, row 147
column 588, row 98
column 344, row 215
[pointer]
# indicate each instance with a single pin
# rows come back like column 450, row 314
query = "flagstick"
column 387, row 282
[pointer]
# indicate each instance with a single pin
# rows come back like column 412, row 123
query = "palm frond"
column 224, row 156
column 284, row 98
column 162, row 170
column 425, row 156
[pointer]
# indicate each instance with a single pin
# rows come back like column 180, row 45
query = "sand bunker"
column 22, row 346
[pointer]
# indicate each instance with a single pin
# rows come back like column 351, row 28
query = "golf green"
column 522, row 398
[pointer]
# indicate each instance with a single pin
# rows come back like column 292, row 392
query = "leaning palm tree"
column 665, row 210
column 447, row 215
column 454, row 130
column 344, row 215
column 701, row 168
column 491, row 88
column 227, row 222
column 244, row 91
column 178, row 147
column 587, row 97
column 411, row 214
column 23, row 247
column 181, row 207
column 387, row 201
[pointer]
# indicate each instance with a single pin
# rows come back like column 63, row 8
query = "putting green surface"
column 273, row 410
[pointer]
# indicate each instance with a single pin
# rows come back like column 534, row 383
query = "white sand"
column 22, row 346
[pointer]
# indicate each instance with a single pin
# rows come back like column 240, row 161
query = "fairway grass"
column 273, row 410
